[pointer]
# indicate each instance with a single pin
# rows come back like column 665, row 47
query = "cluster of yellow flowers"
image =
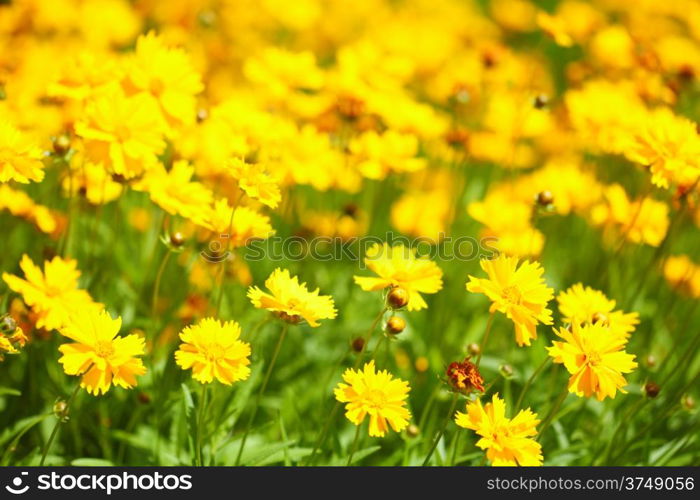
column 198, row 111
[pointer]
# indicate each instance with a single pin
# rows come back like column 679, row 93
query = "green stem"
column 200, row 424
column 530, row 380
column 54, row 432
column 487, row 334
column 261, row 392
column 156, row 288
column 358, row 361
column 553, row 411
column 455, row 446
column 448, row 417
column 355, row 442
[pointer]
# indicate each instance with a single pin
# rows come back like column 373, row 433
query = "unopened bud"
column 540, row 101
column 8, row 325
column 358, row 344
column 397, row 298
column 474, row 349
column 506, row 370
column 177, row 239
column 545, row 198
column 395, row 325
column 651, row 390
column 412, row 431
column 688, row 402
column 61, row 145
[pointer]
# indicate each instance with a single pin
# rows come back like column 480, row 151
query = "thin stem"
column 487, row 334
column 262, row 391
column 355, row 442
column 54, row 432
column 200, row 422
column 358, row 361
column 530, row 380
column 553, row 411
column 448, row 417
column 455, row 446
column 156, row 287
column 223, row 263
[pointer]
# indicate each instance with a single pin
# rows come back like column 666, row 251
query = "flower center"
column 375, row 398
column 512, row 294
column 213, row 352
column 104, row 349
column 157, row 86
column 593, row 358
column 122, row 132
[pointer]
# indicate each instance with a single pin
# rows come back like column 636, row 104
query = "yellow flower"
column 640, row 221
column 123, row 133
column 21, row 205
column 245, row 226
column 378, row 155
column 291, row 300
column 212, row 349
column 167, row 75
column 20, row 157
column 176, row 193
column 99, row 354
column 508, row 442
column 398, row 266
column 518, row 292
column 377, row 394
column 555, row 27
column 585, row 305
column 53, row 295
column 280, row 72
column 683, row 274
column 595, row 358
column 255, row 182
column 669, row 145
column 422, row 214
column 94, row 182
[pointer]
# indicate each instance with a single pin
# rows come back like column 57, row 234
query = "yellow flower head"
column 98, row 353
column 255, row 182
column 669, row 145
column 398, row 266
column 176, row 193
column 53, row 295
column 595, row 358
column 245, row 226
column 377, row 394
column 21, row 205
column 508, row 442
column 93, row 182
column 122, row 133
column 20, row 157
column 167, row 75
column 212, row 349
column 585, row 305
column 378, row 155
column 518, row 292
column 291, row 300
column 683, row 274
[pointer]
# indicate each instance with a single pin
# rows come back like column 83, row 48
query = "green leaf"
column 7, row 391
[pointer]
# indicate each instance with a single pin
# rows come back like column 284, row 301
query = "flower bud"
column 397, row 298
column 177, row 239
column 545, row 198
column 688, row 402
column 650, row 360
column 651, row 390
column 540, row 101
column 8, row 325
column 395, row 325
column 60, row 410
column 474, row 349
column 412, row 431
column 61, row 144
column 358, row 344
column 506, row 370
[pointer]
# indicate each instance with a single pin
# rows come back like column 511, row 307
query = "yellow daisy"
column 508, row 442
column 291, row 301
column 398, row 266
column 377, row 394
column 20, row 157
column 595, row 358
column 52, row 294
column 99, row 354
column 518, row 292
column 212, row 349
column 582, row 305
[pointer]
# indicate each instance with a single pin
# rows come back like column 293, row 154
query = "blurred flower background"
column 153, row 154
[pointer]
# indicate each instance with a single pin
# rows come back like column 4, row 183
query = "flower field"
column 379, row 233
